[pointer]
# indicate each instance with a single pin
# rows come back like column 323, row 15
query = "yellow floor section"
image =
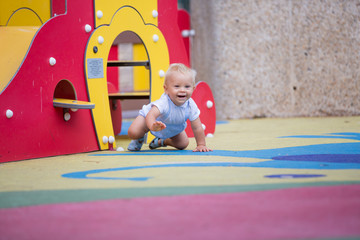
column 240, row 136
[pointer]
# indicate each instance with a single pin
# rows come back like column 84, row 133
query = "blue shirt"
column 173, row 116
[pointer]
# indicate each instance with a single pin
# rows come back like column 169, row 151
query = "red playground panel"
column 204, row 99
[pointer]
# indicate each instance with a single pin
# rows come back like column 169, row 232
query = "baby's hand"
column 158, row 126
column 202, row 148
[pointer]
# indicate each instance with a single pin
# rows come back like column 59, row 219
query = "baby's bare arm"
column 151, row 121
column 199, row 136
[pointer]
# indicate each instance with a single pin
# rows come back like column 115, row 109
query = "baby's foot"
column 155, row 143
column 135, row 145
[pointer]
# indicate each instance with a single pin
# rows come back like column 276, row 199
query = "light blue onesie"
column 173, row 116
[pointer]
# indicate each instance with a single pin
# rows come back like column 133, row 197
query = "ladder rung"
column 130, row 95
column 128, row 63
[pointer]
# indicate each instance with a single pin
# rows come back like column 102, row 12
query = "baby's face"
column 179, row 88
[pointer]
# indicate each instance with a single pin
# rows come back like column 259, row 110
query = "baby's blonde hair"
column 180, row 68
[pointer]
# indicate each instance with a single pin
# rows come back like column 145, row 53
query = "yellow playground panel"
column 19, row 22
column 141, row 75
column 24, row 12
column 14, row 44
column 137, row 18
column 106, row 10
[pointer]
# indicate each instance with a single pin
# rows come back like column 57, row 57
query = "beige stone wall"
column 279, row 58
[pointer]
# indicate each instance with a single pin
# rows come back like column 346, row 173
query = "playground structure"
column 54, row 84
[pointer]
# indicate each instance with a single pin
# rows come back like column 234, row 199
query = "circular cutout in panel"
column 65, row 89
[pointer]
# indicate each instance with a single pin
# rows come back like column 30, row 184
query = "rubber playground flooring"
column 295, row 178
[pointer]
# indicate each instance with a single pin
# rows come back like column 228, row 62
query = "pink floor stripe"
column 303, row 213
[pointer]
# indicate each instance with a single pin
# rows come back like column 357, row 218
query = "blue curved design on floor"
column 322, row 157
column 265, row 164
column 339, row 158
column 345, row 149
column 342, row 135
column 295, row 176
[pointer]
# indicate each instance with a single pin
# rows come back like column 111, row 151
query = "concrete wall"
column 279, row 58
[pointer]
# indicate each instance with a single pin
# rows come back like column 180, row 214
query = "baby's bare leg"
column 180, row 141
column 138, row 128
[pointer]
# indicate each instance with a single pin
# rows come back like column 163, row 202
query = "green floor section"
column 29, row 198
